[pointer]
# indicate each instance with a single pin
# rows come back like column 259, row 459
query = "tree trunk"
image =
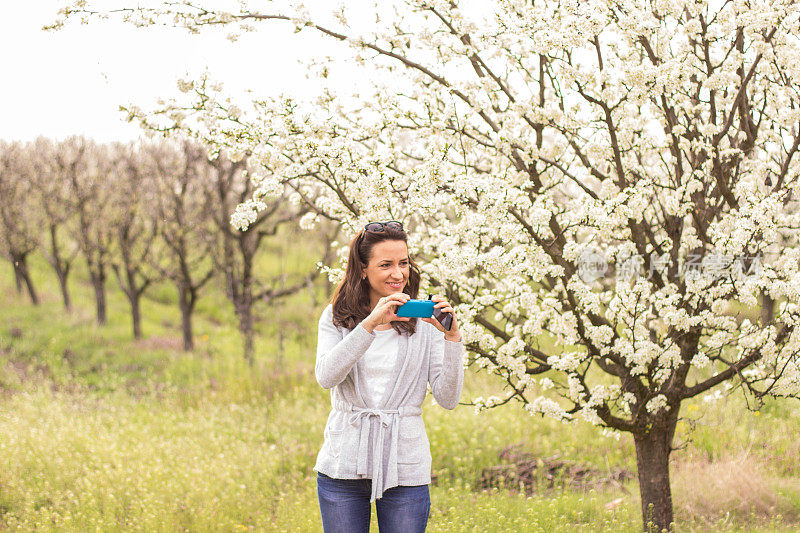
column 186, row 302
column 62, row 281
column 133, row 291
column 245, row 311
column 98, row 279
column 652, row 464
column 767, row 308
column 60, row 266
column 17, row 277
column 23, row 276
column 136, row 313
column 312, row 292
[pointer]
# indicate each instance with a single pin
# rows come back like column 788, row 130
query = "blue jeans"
column 345, row 508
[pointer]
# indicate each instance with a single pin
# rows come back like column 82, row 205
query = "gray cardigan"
column 389, row 444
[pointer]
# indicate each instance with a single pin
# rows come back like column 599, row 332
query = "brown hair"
column 350, row 300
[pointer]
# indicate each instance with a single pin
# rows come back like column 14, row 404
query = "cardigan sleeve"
column 446, row 370
column 336, row 354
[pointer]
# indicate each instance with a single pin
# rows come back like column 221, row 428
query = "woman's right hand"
column 385, row 311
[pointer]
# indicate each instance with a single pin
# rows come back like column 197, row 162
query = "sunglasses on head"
column 380, row 227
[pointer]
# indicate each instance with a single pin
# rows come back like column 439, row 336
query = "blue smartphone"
column 425, row 309
column 416, row 308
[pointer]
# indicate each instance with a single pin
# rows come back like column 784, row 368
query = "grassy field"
column 100, row 433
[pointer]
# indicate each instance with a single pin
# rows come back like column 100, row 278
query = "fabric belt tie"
column 386, row 418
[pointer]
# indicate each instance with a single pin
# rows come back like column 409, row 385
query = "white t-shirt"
column 379, row 361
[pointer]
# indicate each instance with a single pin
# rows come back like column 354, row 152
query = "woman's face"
column 387, row 270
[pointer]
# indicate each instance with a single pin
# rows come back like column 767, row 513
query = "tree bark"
column 61, row 267
column 62, row 282
column 767, row 308
column 134, row 299
column 652, row 463
column 134, row 295
column 98, row 279
column 17, row 277
column 186, row 302
column 130, row 285
column 244, row 310
column 23, row 276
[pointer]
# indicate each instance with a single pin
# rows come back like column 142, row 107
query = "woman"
column 378, row 366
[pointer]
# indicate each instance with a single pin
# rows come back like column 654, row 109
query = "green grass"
column 100, row 433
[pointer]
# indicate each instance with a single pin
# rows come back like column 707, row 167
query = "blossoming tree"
column 606, row 189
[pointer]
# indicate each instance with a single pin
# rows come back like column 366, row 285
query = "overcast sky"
column 72, row 81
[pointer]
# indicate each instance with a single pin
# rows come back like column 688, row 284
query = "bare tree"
column 236, row 250
column 18, row 214
column 90, row 193
column 51, row 164
column 185, row 229
column 136, row 227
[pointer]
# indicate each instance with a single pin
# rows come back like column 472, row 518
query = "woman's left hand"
column 454, row 334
